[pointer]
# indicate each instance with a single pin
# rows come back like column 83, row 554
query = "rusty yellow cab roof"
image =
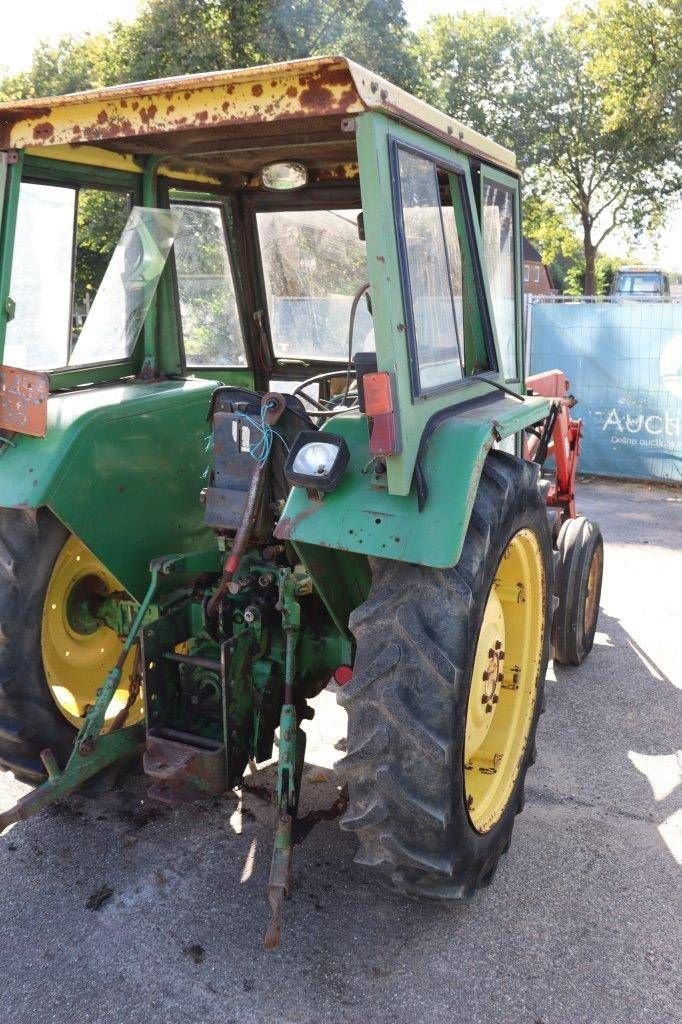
column 216, row 123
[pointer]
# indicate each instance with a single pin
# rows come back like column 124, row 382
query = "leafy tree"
column 70, row 65
column 604, row 271
column 554, row 238
column 172, row 37
column 475, row 66
column 590, row 105
column 599, row 162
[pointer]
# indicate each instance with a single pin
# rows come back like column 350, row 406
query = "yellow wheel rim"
column 77, row 649
column 504, row 682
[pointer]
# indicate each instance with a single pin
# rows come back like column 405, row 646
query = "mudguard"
column 122, row 467
column 363, row 517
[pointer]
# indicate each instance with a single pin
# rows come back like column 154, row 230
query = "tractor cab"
column 264, row 420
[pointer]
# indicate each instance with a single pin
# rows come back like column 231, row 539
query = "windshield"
column 313, row 264
column 639, row 284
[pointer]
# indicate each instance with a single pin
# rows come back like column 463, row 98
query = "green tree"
column 172, row 37
column 70, row 65
column 599, row 161
column 474, row 66
column 590, row 105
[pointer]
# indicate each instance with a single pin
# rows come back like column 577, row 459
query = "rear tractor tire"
column 578, row 588
column 53, row 656
column 446, row 693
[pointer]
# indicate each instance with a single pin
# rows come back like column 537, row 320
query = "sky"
column 33, row 21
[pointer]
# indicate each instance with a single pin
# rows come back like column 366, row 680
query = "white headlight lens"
column 284, row 176
column 315, row 459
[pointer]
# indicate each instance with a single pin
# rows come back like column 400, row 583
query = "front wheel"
column 446, row 693
column 578, row 589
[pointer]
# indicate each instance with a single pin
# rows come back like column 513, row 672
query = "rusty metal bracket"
column 23, row 396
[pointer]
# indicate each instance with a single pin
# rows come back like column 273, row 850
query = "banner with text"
column 624, row 362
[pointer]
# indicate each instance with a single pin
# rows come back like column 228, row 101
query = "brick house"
column 537, row 279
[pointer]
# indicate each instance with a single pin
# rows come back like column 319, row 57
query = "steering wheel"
column 324, row 410
column 348, row 373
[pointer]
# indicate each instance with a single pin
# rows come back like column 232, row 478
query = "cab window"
column 448, row 329
column 499, row 253
column 209, row 314
column 65, row 238
column 313, row 264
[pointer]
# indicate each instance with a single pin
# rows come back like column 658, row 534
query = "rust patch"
column 8, row 118
column 317, row 98
column 225, row 106
column 201, row 116
column 102, row 117
column 135, row 105
column 23, row 401
column 257, row 89
column 292, row 92
column 42, row 131
column 148, row 113
column 170, row 109
column 286, row 526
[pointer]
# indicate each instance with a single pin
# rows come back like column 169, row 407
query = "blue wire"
column 262, row 446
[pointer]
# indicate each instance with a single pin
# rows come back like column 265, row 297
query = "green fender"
column 122, row 467
column 363, row 517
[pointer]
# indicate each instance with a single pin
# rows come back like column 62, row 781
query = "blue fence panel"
column 624, row 362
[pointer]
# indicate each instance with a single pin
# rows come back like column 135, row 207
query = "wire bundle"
column 260, row 448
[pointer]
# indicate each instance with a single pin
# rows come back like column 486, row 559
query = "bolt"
column 485, row 676
column 488, row 708
column 251, row 614
column 501, row 655
column 484, row 698
column 265, row 580
column 491, row 653
column 495, row 698
column 498, row 644
column 500, row 677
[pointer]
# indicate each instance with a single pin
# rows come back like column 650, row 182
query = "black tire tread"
column 578, row 542
column 409, row 687
column 29, row 719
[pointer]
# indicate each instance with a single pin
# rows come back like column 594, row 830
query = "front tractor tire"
column 578, row 589
column 446, row 693
column 53, row 658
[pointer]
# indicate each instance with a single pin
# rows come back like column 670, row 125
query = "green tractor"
column 264, row 422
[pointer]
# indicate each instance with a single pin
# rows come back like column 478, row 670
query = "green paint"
column 362, row 516
column 373, row 134
column 9, row 204
column 46, row 169
column 112, row 748
column 150, row 362
column 286, row 766
column 122, row 466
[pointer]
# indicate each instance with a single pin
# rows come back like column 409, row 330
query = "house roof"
column 530, row 253
column 215, row 122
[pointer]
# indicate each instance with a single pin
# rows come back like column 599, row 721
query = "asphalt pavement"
column 119, row 910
